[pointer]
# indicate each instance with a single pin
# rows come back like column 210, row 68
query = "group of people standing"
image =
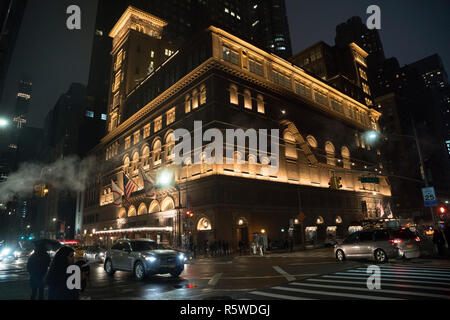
column 214, row 249
column 45, row 272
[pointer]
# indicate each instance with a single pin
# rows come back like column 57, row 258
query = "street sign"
column 429, row 197
column 369, row 180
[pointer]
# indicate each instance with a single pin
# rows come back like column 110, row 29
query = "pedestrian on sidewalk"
column 438, row 240
column 37, row 267
column 57, row 276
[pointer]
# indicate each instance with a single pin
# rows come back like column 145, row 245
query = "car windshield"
column 144, row 245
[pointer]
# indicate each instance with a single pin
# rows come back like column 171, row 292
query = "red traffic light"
column 442, row 210
column 189, row 214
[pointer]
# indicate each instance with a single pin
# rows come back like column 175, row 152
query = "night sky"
column 54, row 57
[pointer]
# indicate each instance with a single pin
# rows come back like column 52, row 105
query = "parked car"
column 379, row 245
column 143, row 257
column 95, row 253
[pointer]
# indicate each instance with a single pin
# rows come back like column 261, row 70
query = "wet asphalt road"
column 219, row 278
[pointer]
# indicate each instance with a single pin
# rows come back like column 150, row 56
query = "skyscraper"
column 354, row 30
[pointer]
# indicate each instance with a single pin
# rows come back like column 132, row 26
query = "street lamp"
column 4, row 123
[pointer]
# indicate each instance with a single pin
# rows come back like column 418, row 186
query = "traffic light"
column 335, row 183
column 339, row 182
column 282, row 229
column 189, row 214
column 40, row 191
column 442, row 210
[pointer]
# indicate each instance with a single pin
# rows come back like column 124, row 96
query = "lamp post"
column 164, row 180
column 373, row 136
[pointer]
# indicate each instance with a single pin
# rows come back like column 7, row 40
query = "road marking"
column 279, row 296
column 383, row 284
column 414, row 270
column 261, row 277
column 396, row 275
column 284, row 273
column 337, row 294
column 440, row 296
column 384, row 279
column 215, row 279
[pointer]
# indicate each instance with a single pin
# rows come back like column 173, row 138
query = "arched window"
column 142, row 209
column 345, row 152
column 195, row 99
column 312, row 141
column 330, row 151
column 247, row 99
column 202, row 94
column 126, row 164
column 157, row 152
column 291, row 146
column 320, row 220
column 260, row 100
column 204, row 225
column 132, row 211
column 154, row 207
column 135, row 164
column 122, row 213
column 187, row 103
column 146, row 155
column 167, row 204
column 170, row 144
column 338, row 220
column 234, row 99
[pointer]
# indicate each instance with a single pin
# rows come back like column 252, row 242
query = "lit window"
column 170, row 116
column 99, row 33
column 103, row 117
column 152, row 54
column 227, row 11
column 256, row 67
column 234, row 94
column 158, row 124
column 255, row 23
column 260, row 100
column 247, row 99
column 137, row 136
column 127, row 142
column 146, row 131
column 90, row 114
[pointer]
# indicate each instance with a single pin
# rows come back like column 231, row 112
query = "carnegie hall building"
column 227, row 83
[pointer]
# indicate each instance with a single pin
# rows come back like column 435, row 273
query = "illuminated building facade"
column 228, row 83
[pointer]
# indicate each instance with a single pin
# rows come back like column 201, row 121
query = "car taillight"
column 396, row 241
column 417, row 239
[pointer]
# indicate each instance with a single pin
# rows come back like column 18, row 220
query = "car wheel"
column 139, row 271
column 340, row 256
column 380, row 256
column 176, row 273
column 109, row 268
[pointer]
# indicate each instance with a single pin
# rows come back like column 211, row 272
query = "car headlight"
column 5, row 252
column 181, row 257
column 17, row 253
column 150, row 259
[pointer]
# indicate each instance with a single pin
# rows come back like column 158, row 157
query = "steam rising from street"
column 65, row 174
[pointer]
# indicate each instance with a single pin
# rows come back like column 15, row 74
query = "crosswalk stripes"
column 403, row 282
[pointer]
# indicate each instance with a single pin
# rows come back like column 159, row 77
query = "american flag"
column 129, row 187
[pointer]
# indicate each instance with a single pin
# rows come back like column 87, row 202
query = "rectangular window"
column 146, row 131
column 363, row 74
column 281, row 79
column 366, row 88
column 127, row 143
column 158, row 124
column 231, row 56
column 170, row 115
column 302, row 90
column 137, row 137
column 90, row 114
column 119, row 58
column 152, row 54
column 256, row 67
column 337, row 106
column 321, row 98
column 116, row 100
column 117, row 80
column 103, row 117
